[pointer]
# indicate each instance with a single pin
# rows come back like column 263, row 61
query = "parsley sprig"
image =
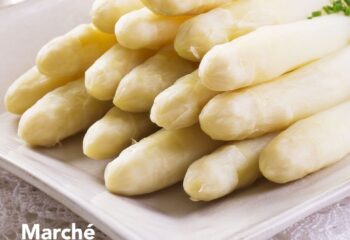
column 335, row 6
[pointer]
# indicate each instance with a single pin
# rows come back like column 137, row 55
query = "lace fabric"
column 22, row 203
column 331, row 223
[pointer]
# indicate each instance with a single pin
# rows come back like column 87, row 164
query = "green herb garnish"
column 336, row 6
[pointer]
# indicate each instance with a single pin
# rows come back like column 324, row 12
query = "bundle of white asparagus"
column 270, row 96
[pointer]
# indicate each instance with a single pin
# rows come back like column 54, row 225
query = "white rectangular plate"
column 65, row 174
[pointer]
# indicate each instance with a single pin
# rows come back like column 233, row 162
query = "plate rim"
column 69, row 201
column 118, row 230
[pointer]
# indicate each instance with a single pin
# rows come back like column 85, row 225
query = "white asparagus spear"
column 61, row 113
column 177, row 8
column 105, row 13
column 117, row 130
column 179, row 105
column 230, row 167
column 276, row 105
column 138, row 89
column 143, row 29
column 103, row 77
column 272, row 51
column 157, row 161
column 72, row 53
column 29, row 88
column 308, row 146
column 198, row 35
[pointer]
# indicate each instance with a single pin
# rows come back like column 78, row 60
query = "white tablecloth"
column 23, row 203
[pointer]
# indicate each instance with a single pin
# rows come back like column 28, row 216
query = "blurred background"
column 4, row 3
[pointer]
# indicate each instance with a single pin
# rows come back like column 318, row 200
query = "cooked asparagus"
column 271, row 51
column 275, row 105
column 71, row 54
column 61, row 113
column 308, row 146
column 138, row 89
column 157, row 161
column 117, row 130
